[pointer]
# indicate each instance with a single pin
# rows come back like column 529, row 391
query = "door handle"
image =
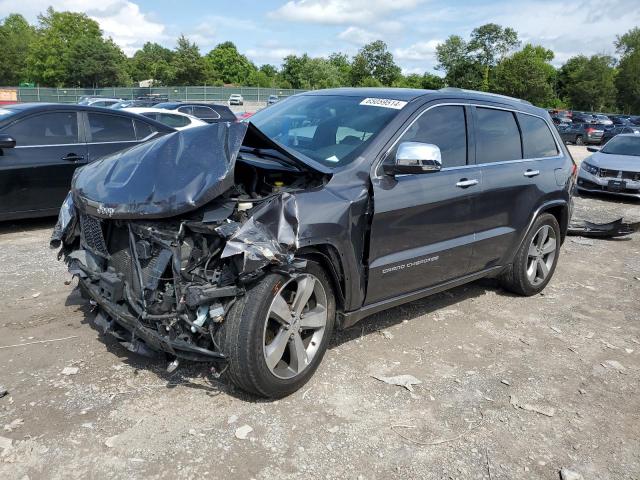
column 72, row 157
column 531, row 173
column 466, row 183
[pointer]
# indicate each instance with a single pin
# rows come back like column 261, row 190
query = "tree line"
column 69, row 49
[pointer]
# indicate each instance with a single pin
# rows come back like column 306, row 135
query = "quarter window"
column 143, row 130
column 46, row 129
column 497, row 136
column 445, row 127
column 537, row 140
column 111, row 128
column 205, row 112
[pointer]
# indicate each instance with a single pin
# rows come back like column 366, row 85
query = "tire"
column 579, row 140
column 525, row 275
column 253, row 331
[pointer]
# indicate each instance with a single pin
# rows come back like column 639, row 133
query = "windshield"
column 331, row 129
column 623, row 145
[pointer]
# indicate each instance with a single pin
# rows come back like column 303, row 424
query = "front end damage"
column 166, row 236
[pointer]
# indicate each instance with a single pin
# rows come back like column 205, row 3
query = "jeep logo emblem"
column 106, row 211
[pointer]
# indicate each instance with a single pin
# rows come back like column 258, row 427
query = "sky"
column 268, row 30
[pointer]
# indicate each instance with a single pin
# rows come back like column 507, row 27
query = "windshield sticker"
column 5, row 112
column 332, row 158
column 383, row 102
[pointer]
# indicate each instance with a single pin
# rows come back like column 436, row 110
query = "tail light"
column 574, row 170
column 590, row 130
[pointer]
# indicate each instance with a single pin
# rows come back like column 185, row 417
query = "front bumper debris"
column 617, row 228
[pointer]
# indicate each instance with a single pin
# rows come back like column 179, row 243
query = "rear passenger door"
column 518, row 155
column 108, row 134
column 35, row 176
column 422, row 230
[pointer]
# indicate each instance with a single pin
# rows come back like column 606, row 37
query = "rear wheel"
column 536, row 259
column 276, row 335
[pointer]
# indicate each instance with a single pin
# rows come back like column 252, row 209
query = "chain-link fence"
column 200, row 94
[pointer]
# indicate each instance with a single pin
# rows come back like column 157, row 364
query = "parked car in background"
column 42, row 144
column 617, row 130
column 620, row 119
column 372, row 198
column 243, row 115
column 99, row 101
column 272, row 99
column 236, row 99
column 171, row 118
column 603, row 119
column 613, row 169
column 144, row 101
column 208, row 112
column 581, row 117
column 582, row 133
column 557, row 120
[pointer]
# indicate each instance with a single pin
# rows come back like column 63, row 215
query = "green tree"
column 588, row 83
column 152, row 61
column 225, row 63
column 187, row 65
column 490, row 43
column 67, row 42
column 527, row 74
column 628, row 78
column 341, row 62
column 16, row 38
column 426, row 81
column 293, row 67
column 461, row 69
column 374, row 61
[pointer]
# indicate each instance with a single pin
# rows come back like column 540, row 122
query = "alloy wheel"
column 541, row 255
column 295, row 326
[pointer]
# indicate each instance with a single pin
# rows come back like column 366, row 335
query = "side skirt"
column 347, row 319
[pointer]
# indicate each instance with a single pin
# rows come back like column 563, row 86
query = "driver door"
column 423, row 225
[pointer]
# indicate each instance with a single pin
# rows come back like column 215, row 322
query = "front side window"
column 444, row 127
column 187, row 110
column 497, row 136
column 111, row 128
column 537, row 140
column 330, row 129
column 58, row 128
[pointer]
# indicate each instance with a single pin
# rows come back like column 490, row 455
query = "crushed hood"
column 173, row 174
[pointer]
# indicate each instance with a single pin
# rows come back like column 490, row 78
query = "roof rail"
column 463, row 90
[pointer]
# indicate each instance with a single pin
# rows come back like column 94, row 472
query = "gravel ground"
column 512, row 388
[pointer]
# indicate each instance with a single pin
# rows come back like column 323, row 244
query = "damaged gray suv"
column 247, row 244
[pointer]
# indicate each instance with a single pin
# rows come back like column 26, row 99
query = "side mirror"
column 7, row 141
column 415, row 157
column 593, row 149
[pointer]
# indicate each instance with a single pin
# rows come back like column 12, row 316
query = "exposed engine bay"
column 166, row 284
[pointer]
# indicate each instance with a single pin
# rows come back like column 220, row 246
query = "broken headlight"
column 590, row 168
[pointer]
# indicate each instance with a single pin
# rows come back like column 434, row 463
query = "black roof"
column 405, row 94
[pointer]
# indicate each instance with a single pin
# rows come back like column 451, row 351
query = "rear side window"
column 537, row 140
column 205, row 112
column 111, row 128
column 497, row 136
column 144, row 130
column 186, row 110
column 58, row 128
column 445, row 127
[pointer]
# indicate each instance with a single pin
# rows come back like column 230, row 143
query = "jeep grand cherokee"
column 247, row 244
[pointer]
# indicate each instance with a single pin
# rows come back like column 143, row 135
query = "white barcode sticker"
column 383, row 102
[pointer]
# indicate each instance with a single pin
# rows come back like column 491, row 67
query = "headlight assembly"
column 590, row 168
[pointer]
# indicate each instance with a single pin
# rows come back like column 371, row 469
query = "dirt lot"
column 570, row 358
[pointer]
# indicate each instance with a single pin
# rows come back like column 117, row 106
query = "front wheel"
column 536, row 259
column 275, row 336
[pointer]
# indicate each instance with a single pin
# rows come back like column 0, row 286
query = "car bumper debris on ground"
column 500, row 386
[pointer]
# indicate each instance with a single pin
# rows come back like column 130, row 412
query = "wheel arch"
column 328, row 258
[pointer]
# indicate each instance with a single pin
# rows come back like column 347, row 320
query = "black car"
column 249, row 247
column 42, row 144
column 582, row 133
column 208, row 112
column 617, row 130
column 620, row 119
